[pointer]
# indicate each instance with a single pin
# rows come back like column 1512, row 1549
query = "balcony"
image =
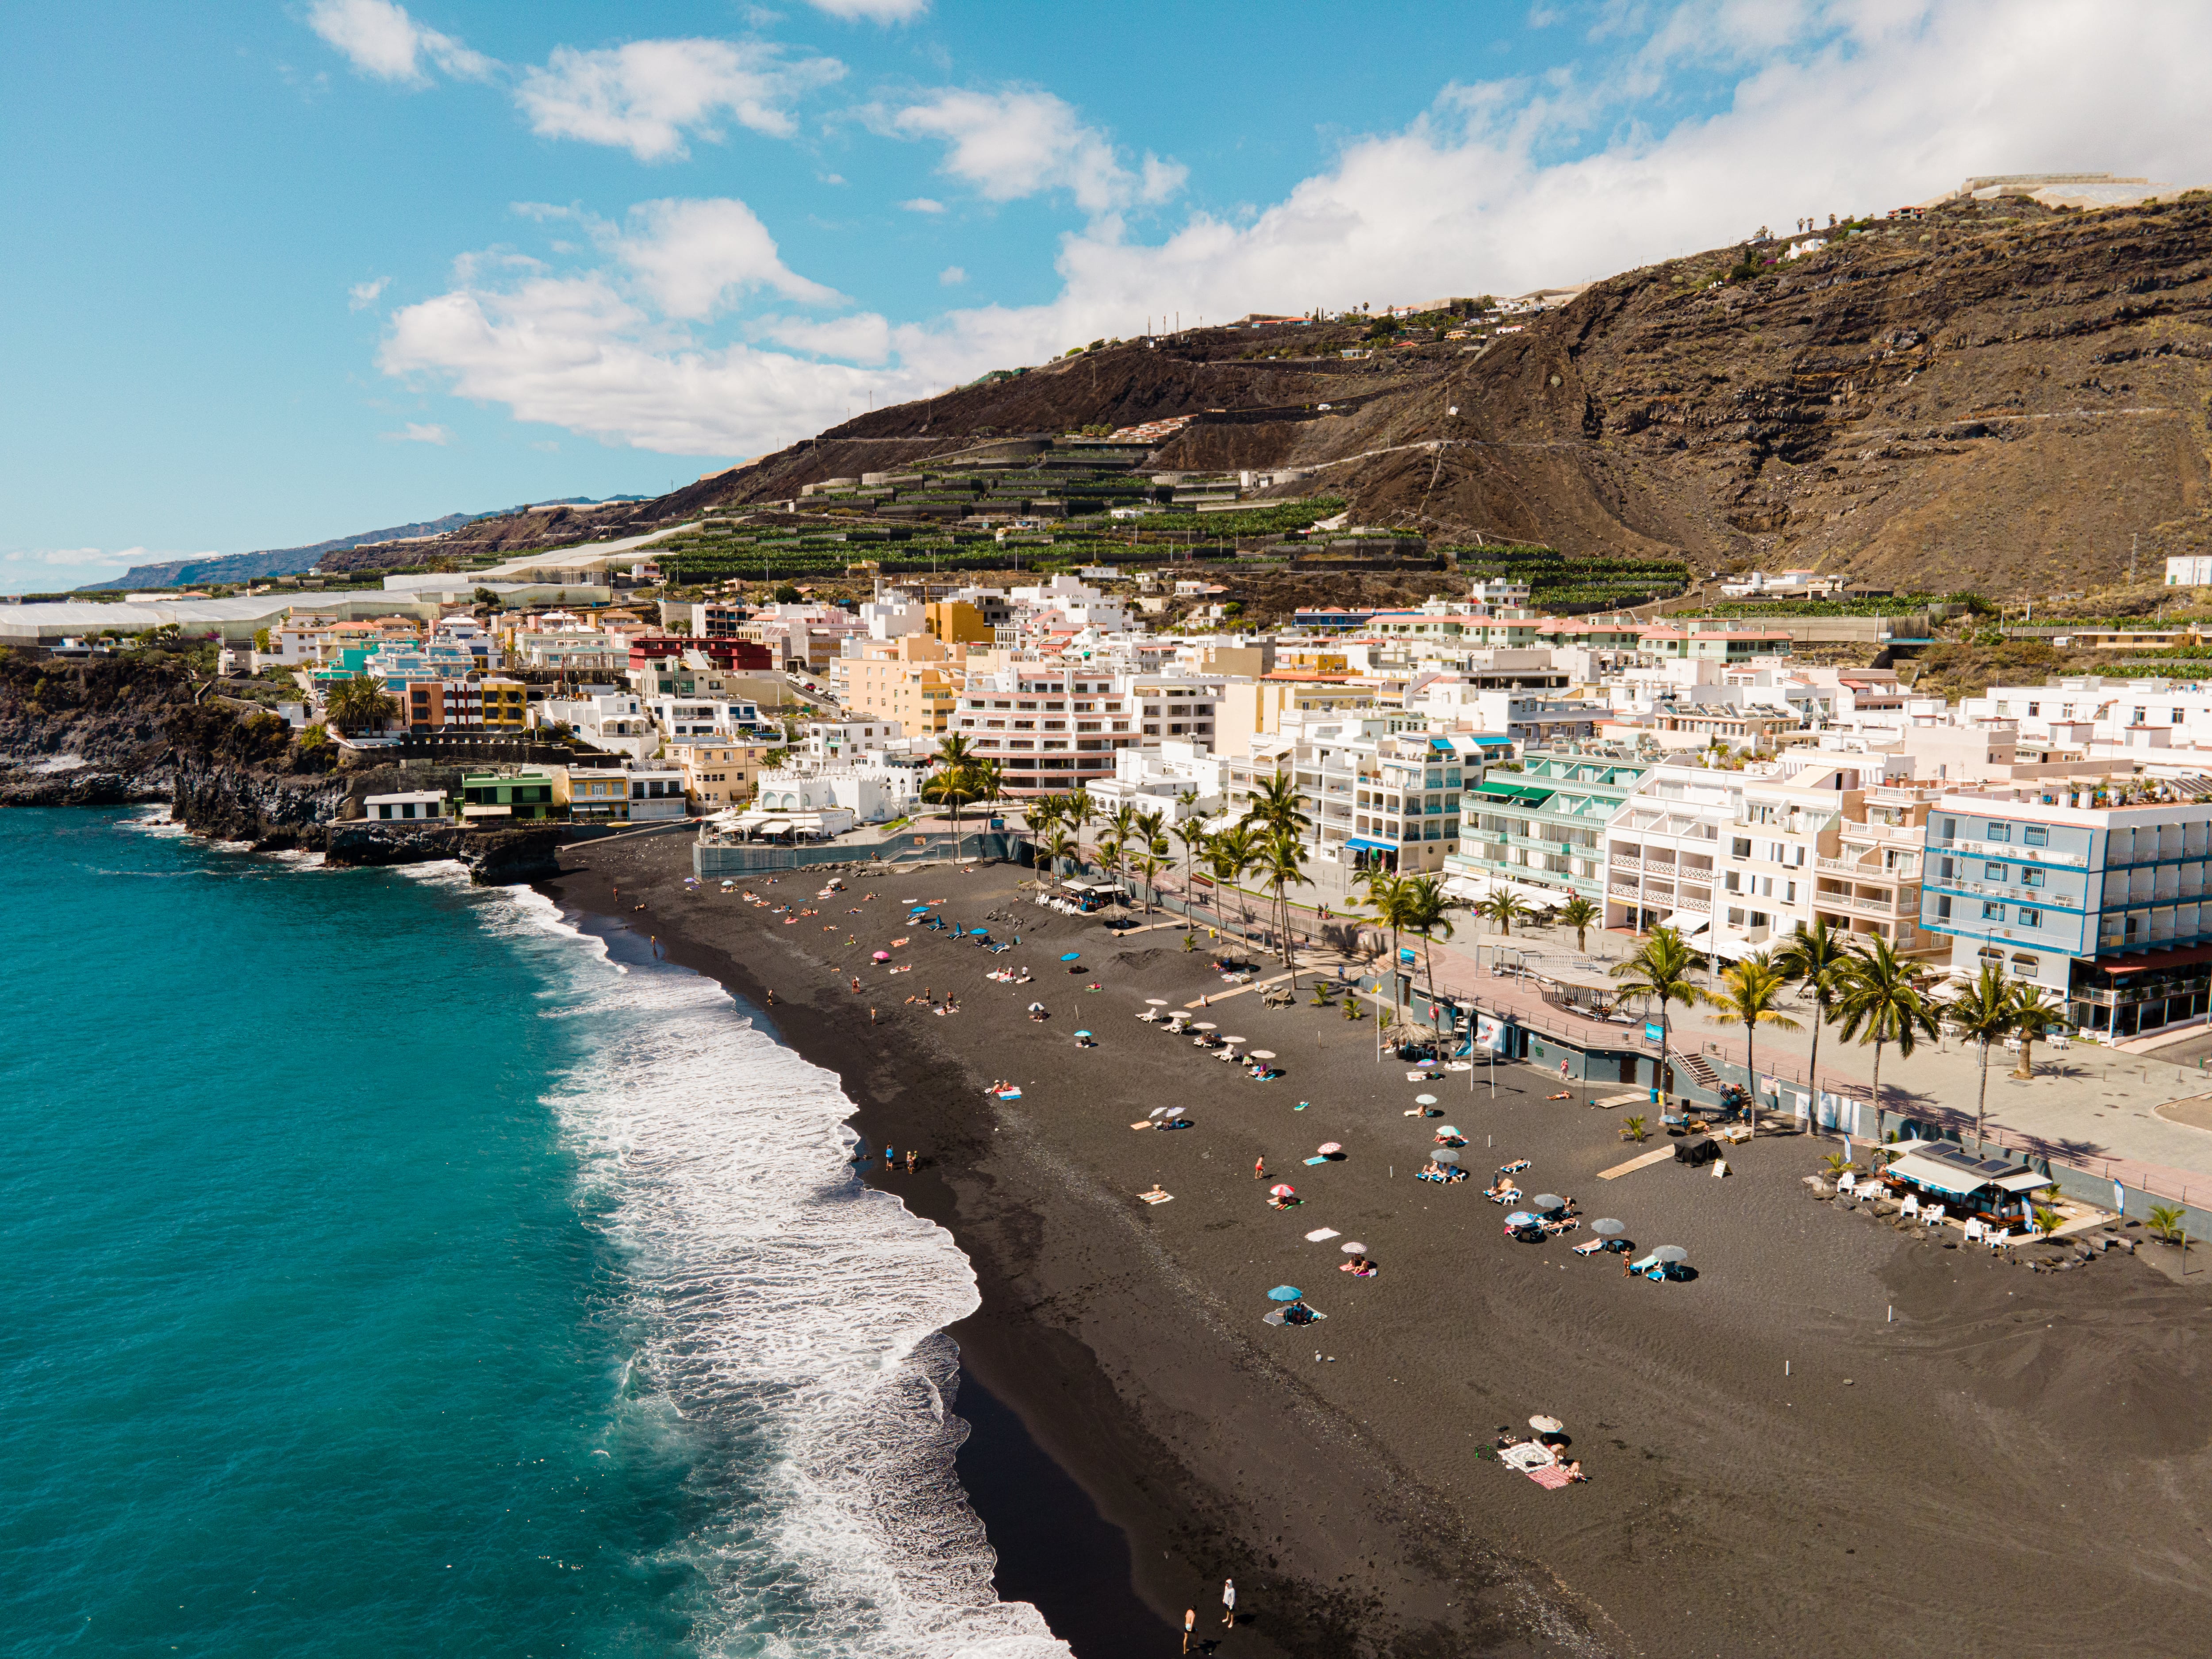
column 1620, row 892
column 1691, row 901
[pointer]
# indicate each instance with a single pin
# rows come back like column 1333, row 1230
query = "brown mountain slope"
column 2000, row 398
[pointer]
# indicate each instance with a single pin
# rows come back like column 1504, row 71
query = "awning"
column 1519, row 791
column 2143, row 960
column 1372, row 846
column 2022, row 1181
column 1940, row 1177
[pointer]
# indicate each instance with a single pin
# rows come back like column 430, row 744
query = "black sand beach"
column 2015, row 1462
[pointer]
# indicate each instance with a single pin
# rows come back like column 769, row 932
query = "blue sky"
column 282, row 271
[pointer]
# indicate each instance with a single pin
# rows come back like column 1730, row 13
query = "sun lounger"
column 1590, row 1247
column 1511, row 1196
column 1514, row 1167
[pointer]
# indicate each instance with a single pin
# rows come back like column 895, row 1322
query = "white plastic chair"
column 1910, row 1207
column 1973, row 1229
column 1848, row 1181
column 1932, row 1216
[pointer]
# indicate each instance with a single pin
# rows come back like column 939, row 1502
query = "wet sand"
column 2015, row 1462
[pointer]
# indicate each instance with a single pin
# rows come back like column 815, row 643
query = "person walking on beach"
column 910, row 1155
column 1229, row 1603
column 1189, row 1626
column 1259, row 1169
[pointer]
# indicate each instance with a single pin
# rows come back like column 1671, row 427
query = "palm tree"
column 1281, row 858
column 954, row 782
column 1080, row 810
column 1429, row 908
column 1985, row 1009
column 1749, row 991
column 1387, row 896
column 1818, row 958
column 1501, row 907
column 1661, row 970
column 1123, row 823
column 356, row 704
column 2033, row 1014
column 1883, row 999
column 1149, row 864
column 1579, row 913
column 1056, row 844
column 1109, row 857
column 1274, row 806
column 1229, row 855
column 1192, row 833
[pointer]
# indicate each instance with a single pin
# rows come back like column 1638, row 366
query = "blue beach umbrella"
column 979, row 930
column 1284, row 1293
column 1521, row 1218
column 1071, row 955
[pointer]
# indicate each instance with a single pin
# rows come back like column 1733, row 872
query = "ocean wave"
column 789, row 1321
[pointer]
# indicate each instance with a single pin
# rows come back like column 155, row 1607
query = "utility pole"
column 2132, row 541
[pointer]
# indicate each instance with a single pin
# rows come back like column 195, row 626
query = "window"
column 2033, row 709
column 1999, row 832
column 1992, row 912
column 1993, row 872
column 2025, row 966
column 2030, row 918
column 1943, row 907
column 2031, row 878
column 2036, row 834
column 2140, row 715
column 1950, row 828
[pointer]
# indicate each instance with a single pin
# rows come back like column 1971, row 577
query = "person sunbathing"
column 1359, row 1266
column 1434, row 1169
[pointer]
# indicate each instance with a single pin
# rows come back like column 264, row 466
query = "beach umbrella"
column 979, row 930
column 1284, row 1293
column 1157, row 1110
column 1445, row 1155
column 1547, row 1201
column 1173, row 1111
column 1544, row 1425
column 1521, row 1218
column 1424, row 1100
column 1327, row 1147
column 1353, row 1248
column 1606, row 1227
column 1071, row 955
column 1279, row 1190
column 1446, row 1130
column 1082, row 1033
column 883, row 956
column 1670, row 1253
column 1231, row 1039
column 1263, row 1054
column 1036, row 1007
column 1157, row 1002
column 1204, row 1025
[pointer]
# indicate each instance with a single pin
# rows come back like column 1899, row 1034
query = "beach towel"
column 1155, row 1196
column 1320, row 1233
column 1553, row 1476
column 1526, row 1457
column 1010, row 1094
column 1317, row 1160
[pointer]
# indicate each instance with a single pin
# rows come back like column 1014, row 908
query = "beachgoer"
column 888, row 1158
column 1259, row 1169
column 1189, row 1626
column 1229, row 1603
column 856, row 987
column 1574, row 1470
column 910, row 1155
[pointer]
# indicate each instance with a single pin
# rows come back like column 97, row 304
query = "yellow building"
column 956, row 622
column 718, row 774
column 910, row 680
column 506, row 704
column 1249, row 708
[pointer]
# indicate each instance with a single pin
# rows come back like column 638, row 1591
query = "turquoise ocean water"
column 392, row 1269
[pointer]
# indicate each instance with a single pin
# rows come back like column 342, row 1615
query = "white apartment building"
column 615, row 722
column 1054, row 725
column 1377, row 797
column 847, row 740
column 688, row 719
column 1738, row 861
column 1156, row 777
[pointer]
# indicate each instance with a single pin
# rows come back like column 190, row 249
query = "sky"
column 277, row 272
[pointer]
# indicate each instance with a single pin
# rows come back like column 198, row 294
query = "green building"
column 523, row 794
column 1543, row 827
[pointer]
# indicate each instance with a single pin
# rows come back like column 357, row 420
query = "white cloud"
column 923, row 204
column 874, row 11
column 381, row 41
column 690, row 257
column 648, row 96
column 417, row 432
column 362, row 295
column 1869, row 104
column 951, row 277
column 1016, row 143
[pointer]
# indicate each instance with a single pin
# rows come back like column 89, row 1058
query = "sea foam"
column 788, row 1321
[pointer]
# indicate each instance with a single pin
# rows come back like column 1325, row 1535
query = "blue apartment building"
column 2099, row 899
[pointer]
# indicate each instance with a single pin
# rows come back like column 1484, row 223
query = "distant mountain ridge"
column 292, row 561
